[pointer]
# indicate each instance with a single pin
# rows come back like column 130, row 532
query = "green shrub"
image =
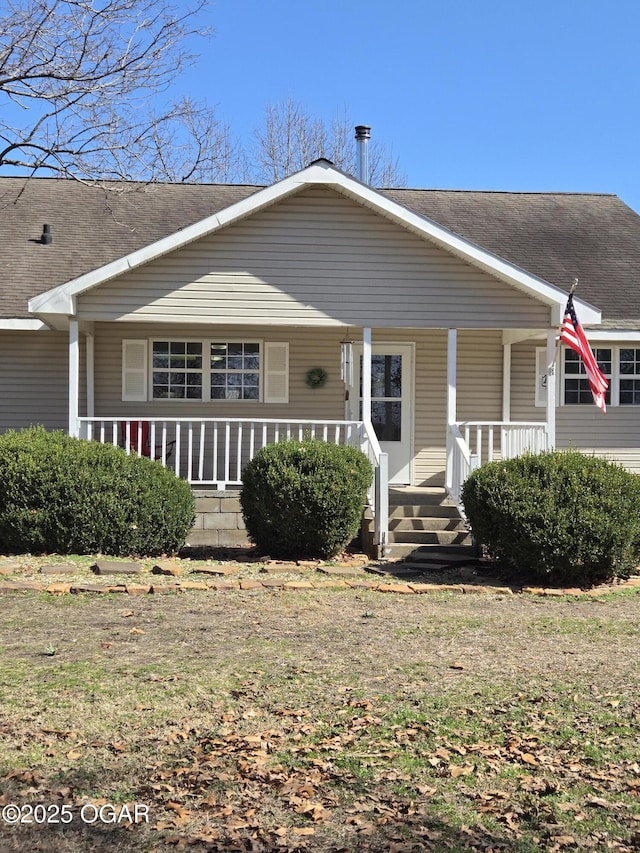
column 304, row 498
column 63, row 495
column 560, row 517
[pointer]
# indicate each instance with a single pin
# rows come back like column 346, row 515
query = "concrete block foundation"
column 219, row 522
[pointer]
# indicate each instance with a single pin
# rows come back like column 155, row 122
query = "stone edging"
column 61, row 588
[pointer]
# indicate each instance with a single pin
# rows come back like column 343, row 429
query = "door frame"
column 408, row 350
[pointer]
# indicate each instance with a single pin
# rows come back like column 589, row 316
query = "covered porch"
column 211, row 452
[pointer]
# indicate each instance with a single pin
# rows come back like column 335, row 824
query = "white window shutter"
column 276, row 372
column 134, row 370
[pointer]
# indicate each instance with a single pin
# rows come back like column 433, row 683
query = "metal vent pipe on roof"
column 363, row 135
column 46, row 238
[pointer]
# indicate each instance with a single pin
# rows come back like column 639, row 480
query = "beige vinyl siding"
column 479, row 377
column 318, row 259
column 523, row 382
column 479, row 380
column 33, row 379
column 615, row 435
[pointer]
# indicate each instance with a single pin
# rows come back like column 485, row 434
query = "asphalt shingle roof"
column 555, row 236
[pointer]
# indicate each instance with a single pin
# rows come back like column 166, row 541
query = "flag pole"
column 551, row 368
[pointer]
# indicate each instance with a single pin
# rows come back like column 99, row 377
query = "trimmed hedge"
column 67, row 496
column 304, row 498
column 558, row 517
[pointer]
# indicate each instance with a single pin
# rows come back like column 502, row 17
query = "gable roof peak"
column 322, row 161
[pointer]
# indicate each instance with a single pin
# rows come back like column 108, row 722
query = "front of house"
column 317, row 306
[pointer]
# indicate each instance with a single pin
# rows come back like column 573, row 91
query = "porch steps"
column 426, row 530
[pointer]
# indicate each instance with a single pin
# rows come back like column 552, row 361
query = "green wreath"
column 316, row 377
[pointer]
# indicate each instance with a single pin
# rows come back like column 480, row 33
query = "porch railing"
column 214, row 451
column 471, row 443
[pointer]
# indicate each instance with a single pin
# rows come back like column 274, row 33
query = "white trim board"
column 24, row 325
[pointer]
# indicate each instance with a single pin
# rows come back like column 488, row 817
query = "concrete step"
column 412, row 497
column 432, row 555
column 423, row 510
column 427, row 523
column 431, row 537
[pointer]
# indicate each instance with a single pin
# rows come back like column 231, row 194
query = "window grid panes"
column 629, row 377
column 235, row 371
column 576, row 389
column 177, row 370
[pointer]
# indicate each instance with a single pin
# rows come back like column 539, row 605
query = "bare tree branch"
column 76, row 77
column 290, row 138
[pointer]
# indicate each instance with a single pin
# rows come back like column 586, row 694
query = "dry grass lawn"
column 324, row 720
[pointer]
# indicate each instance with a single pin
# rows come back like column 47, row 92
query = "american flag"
column 572, row 334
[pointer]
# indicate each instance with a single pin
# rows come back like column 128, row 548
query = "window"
column 576, row 388
column 180, row 371
column 629, row 377
column 206, row 370
column 235, row 371
column 621, row 366
column 177, row 370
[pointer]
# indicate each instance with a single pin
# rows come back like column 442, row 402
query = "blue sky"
column 468, row 94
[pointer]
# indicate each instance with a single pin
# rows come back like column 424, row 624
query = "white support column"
column 552, row 370
column 366, row 375
column 506, row 382
column 452, row 350
column 74, row 376
column 90, row 371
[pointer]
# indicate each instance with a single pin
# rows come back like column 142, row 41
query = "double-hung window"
column 621, row 366
column 576, row 384
column 177, row 370
column 209, row 370
column 235, row 371
column 629, row 393
column 205, row 370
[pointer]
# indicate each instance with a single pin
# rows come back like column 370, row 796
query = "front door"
column 391, row 404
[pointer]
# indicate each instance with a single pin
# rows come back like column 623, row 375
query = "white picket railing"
column 214, row 451
column 471, row 443
column 458, row 465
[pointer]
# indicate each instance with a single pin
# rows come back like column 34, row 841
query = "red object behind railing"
column 140, row 440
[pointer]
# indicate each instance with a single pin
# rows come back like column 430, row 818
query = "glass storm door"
column 391, row 404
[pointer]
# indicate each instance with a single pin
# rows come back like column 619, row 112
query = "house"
column 225, row 317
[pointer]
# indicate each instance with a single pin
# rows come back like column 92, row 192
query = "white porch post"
column 452, row 347
column 506, row 382
column 366, row 375
column 551, row 388
column 74, row 376
column 90, row 371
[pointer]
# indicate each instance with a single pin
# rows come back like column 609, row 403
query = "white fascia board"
column 60, row 299
column 23, row 325
column 516, row 336
column 613, row 334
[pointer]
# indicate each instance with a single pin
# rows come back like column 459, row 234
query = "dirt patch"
column 356, row 632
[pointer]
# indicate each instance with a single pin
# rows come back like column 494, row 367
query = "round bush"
column 67, row 496
column 559, row 517
column 304, row 498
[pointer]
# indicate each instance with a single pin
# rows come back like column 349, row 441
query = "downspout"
column 363, row 135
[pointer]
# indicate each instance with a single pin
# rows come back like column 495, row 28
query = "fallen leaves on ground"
column 338, row 783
